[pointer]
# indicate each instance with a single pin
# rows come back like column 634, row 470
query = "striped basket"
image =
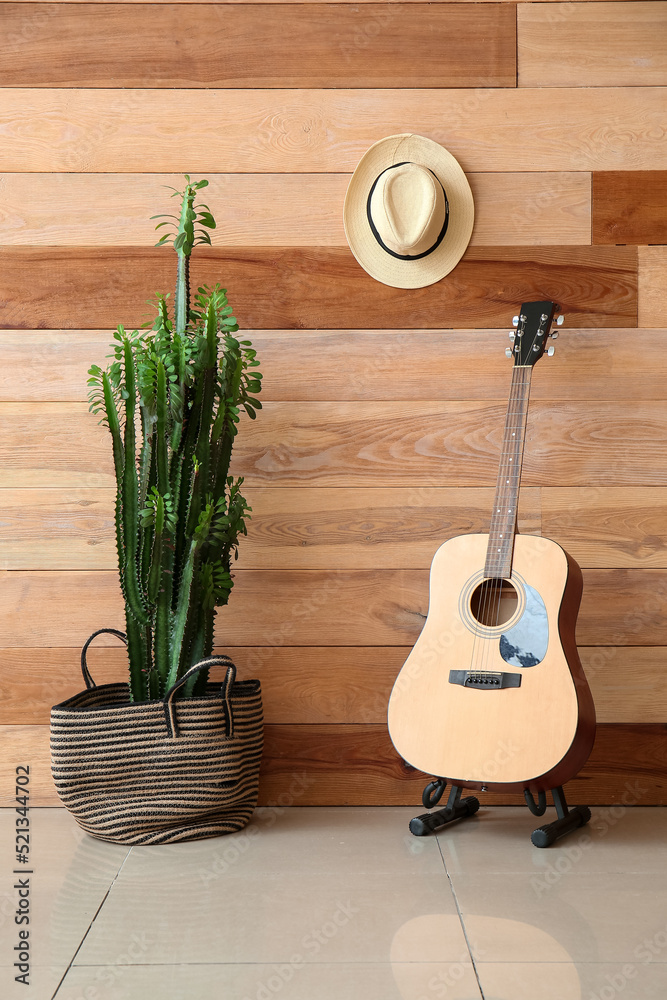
column 156, row 772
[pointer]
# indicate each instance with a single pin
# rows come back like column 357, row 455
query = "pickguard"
column 525, row 644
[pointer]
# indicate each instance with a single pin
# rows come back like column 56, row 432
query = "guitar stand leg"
column 568, row 819
column 456, row 808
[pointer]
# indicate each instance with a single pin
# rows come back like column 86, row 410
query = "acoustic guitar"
column 493, row 695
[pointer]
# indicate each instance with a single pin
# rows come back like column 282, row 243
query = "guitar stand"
column 568, row 819
column 458, row 808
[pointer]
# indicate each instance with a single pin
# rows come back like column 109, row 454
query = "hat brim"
column 373, row 258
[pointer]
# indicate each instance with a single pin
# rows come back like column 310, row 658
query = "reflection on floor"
column 344, row 904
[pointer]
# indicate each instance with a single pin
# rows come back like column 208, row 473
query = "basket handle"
column 90, row 683
column 225, row 692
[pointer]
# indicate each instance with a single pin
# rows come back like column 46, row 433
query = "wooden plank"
column 608, row 44
column 629, row 206
column 313, row 288
column 323, row 528
column 620, row 607
column 322, row 684
column 624, row 607
column 447, row 444
column 53, row 445
column 339, row 45
column 651, row 310
column 225, row 2
column 266, row 210
column 452, row 364
column 57, row 529
column 52, row 365
column 316, row 528
column 608, row 526
column 301, row 131
column 512, row 2
column 357, row 765
column 453, row 443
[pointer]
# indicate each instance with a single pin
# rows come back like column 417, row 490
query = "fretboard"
column 503, row 519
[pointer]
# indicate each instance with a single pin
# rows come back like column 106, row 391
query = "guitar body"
column 469, row 727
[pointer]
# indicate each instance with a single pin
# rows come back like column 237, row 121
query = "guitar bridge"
column 486, row 680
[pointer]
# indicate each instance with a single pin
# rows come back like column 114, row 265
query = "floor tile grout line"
column 465, row 932
column 460, row 915
column 94, row 918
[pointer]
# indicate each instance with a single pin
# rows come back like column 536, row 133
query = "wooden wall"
column 383, row 407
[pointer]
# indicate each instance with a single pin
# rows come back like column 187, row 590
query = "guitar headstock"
column 533, row 327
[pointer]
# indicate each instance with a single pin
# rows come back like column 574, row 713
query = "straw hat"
column 408, row 211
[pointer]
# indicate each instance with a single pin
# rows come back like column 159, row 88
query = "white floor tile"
column 409, row 981
column 321, row 918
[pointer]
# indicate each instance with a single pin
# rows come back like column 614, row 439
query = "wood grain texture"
column 370, row 528
column 608, row 44
column 453, row 443
column 57, row 529
column 589, row 364
column 53, row 445
column 354, row 456
column 276, row 131
column 608, row 526
column 52, row 365
column 311, row 528
column 512, row 209
column 630, row 206
column 311, row 288
column 626, row 760
column 512, row 2
column 620, row 607
column 651, row 287
column 357, row 765
column 168, row 45
column 225, row 2
column 310, row 685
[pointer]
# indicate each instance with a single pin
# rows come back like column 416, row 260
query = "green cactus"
column 179, row 513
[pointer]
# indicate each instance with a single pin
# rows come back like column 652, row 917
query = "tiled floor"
column 345, row 904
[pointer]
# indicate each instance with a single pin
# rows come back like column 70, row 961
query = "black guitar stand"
column 568, row 819
column 458, row 808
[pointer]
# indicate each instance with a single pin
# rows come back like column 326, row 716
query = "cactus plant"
column 172, row 397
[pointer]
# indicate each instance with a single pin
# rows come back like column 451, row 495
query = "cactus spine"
column 179, row 513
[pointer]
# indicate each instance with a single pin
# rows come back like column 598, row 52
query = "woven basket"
column 156, row 772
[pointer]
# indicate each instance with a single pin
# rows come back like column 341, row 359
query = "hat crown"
column 408, row 208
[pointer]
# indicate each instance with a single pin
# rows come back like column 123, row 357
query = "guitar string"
column 481, row 652
column 508, row 489
column 512, row 479
column 494, row 585
column 512, row 484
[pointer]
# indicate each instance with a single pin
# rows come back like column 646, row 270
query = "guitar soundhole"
column 494, row 602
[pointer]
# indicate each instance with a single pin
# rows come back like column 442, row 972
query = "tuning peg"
column 508, row 352
column 551, row 351
column 515, row 320
column 559, row 320
column 554, row 335
column 511, row 335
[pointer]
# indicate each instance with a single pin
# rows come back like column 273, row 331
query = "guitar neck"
column 503, row 519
